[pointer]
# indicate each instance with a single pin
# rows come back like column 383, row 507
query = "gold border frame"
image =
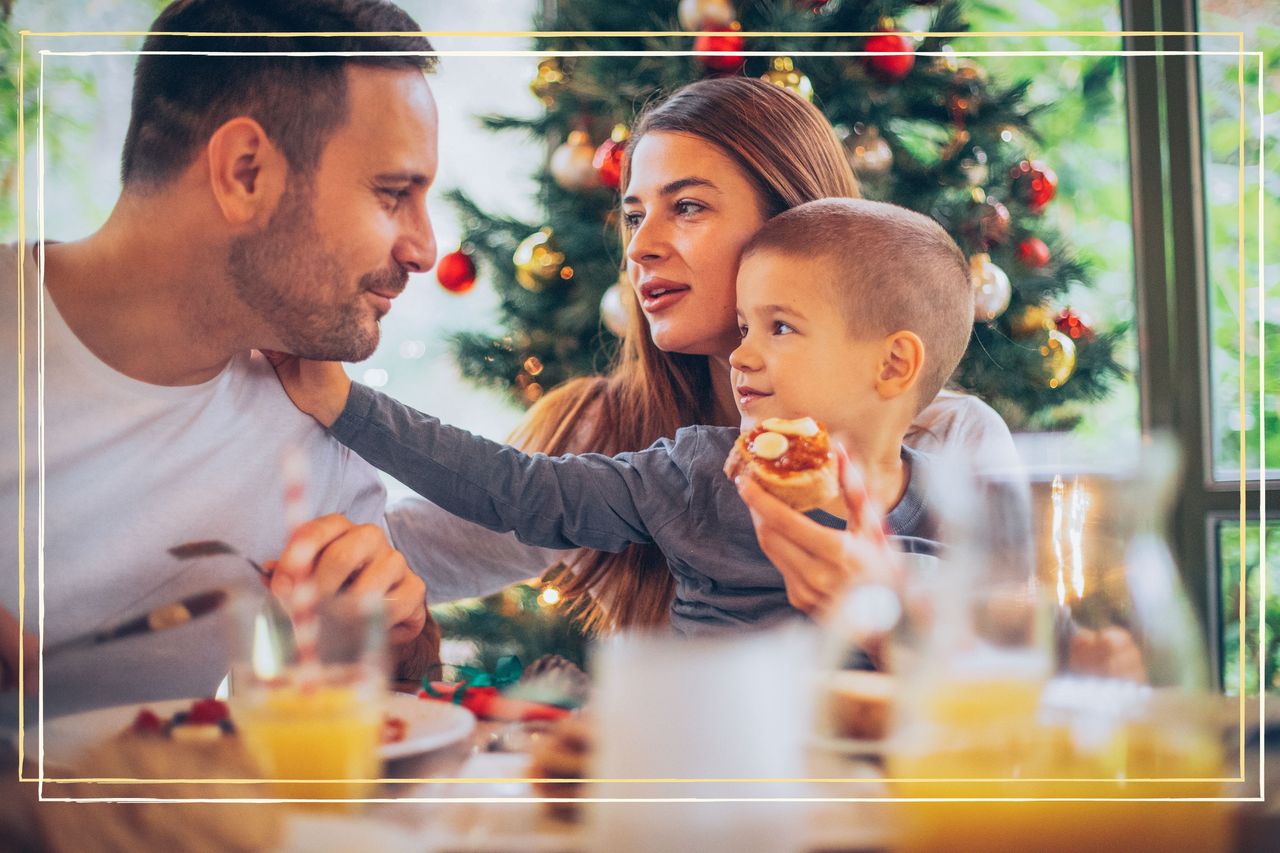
column 41, row 779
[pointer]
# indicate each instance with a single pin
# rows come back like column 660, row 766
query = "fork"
column 214, row 547
column 275, row 608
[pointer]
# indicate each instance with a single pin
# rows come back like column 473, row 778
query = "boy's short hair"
column 179, row 101
column 890, row 268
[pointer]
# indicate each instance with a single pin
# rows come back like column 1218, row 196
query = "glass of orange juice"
column 1071, row 715
column 314, row 725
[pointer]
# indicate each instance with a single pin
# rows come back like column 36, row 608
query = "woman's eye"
column 780, row 328
column 632, row 220
column 686, row 207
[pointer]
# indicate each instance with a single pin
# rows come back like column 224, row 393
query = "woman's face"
column 689, row 210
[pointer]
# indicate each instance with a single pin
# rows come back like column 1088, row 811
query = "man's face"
column 797, row 357
column 343, row 240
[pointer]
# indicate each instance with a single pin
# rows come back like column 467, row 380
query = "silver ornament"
column 991, row 288
column 571, row 165
column 612, row 310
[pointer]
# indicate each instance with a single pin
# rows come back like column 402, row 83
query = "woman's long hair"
column 791, row 154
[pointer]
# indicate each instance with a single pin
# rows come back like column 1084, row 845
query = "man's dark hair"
column 179, row 101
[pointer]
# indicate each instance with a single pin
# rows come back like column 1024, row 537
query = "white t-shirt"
column 966, row 426
column 130, row 470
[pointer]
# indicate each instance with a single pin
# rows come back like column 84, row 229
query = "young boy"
column 852, row 312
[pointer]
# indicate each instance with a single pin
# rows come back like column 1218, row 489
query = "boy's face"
column 797, row 357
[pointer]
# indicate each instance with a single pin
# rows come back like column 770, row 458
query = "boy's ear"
column 901, row 360
column 247, row 172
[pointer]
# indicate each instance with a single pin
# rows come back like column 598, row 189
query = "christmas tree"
column 933, row 133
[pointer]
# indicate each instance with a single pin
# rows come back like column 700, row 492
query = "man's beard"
column 284, row 275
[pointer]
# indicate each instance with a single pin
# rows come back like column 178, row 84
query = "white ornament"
column 612, row 310
column 571, row 165
column 991, row 288
column 698, row 15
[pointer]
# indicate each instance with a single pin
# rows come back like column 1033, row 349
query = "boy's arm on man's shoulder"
column 590, row 500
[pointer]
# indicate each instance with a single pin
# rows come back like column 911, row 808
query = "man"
column 269, row 202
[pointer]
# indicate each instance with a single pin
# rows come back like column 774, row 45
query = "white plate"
column 428, row 725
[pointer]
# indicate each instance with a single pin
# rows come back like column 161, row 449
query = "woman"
column 704, row 170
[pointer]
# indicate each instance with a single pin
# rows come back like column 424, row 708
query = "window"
column 1191, row 217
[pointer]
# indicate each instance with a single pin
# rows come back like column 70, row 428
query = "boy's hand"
column 319, row 388
column 818, row 563
column 342, row 557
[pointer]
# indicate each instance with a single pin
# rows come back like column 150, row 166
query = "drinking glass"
column 705, row 717
column 1053, row 655
column 314, row 723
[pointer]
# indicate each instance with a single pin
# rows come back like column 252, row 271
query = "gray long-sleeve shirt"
column 673, row 493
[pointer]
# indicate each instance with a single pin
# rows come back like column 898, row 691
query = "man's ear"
column 901, row 360
column 246, row 171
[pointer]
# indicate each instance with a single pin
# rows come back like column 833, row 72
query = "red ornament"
column 1073, row 326
column 608, row 162
column 885, row 66
column 724, row 58
column 456, row 272
column 1034, row 183
column 1033, row 253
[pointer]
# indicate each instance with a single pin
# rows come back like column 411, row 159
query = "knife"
column 153, row 621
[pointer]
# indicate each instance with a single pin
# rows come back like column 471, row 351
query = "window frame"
column 1162, row 96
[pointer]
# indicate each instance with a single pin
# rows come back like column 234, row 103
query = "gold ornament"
column 548, row 81
column 696, row 15
column 537, row 261
column 571, row 164
column 782, row 73
column 991, row 288
column 1030, row 322
column 869, row 155
column 1059, row 353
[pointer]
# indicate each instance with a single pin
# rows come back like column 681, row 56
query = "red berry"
column 147, row 723
column 205, row 711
